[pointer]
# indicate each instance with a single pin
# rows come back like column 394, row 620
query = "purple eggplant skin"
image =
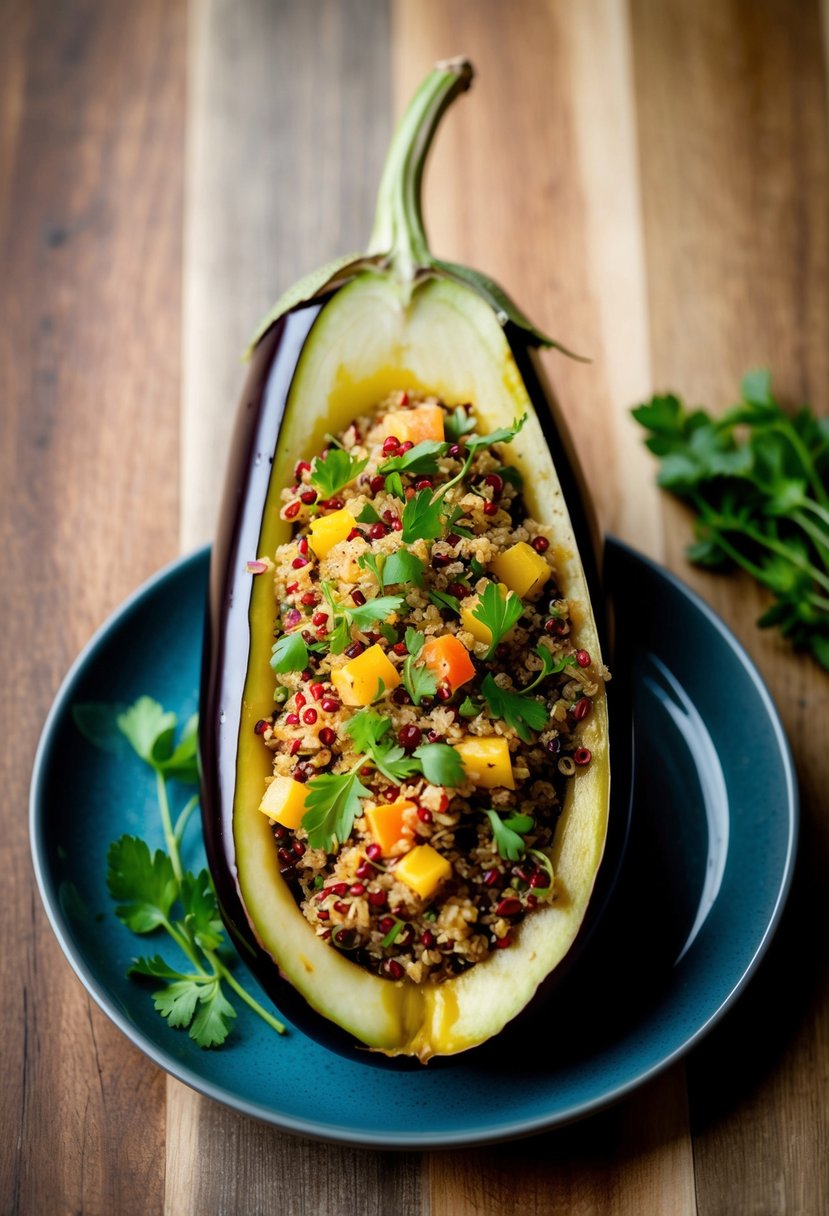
column 226, row 651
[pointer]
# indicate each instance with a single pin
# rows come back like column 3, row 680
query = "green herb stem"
column 184, row 816
column 785, row 428
column 223, row 973
column 721, row 526
column 818, row 537
column 167, row 825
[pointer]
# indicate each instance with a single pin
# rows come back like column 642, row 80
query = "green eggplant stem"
column 398, row 233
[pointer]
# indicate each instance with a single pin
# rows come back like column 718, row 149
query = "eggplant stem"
column 398, row 231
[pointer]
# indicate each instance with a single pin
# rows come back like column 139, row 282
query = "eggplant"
column 335, row 345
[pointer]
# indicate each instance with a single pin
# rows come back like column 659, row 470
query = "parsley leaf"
column 289, row 653
column 403, row 567
column 211, row 1025
column 498, row 613
column 379, row 609
column 414, row 640
column 522, row 712
column 368, row 515
column 503, row 434
column 148, row 728
column 441, row 764
column 331, row 472
column 422, row 517
column 332, row 805
column 458, row 423
column 143, row 883
column 422, row 458
column 509, row 834
column 418, row 681
column 444, row 600
column 201, row 911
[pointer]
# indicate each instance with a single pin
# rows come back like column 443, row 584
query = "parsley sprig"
column 497, row 612
column 333, row 471
column 758, row 479
column 152, row 889
column 362, row 616
column 521, row 710
column 418, row 681
column 509, row 834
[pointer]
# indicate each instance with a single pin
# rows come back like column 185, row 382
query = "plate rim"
column 338, row 1134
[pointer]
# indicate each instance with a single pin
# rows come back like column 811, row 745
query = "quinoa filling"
column 428, row 694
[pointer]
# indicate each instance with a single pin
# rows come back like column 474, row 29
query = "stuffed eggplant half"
column 404, row 722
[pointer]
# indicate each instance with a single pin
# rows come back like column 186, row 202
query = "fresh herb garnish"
column 497, row 612
column 289, row 653
column 444, row 600
column 450, row 522
column 154, row 892
column 418, row 681
column 422, row 458
column 504, row 434
column 359, row 615
column 368, row 515
column 331, row 472
column 332, row 804
column 758, row 480
column 369, row 732
column 519, row 710
column 458, row 423
column 403, row 567
column 422, row 517
column 393, row 934
column 440, row 763
column 509, row 834
column 469, row 708
column 374, row 563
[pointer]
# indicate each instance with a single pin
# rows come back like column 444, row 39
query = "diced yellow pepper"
column 424, row 869
column 415, row 426
column 329, row 530
column 387, row 822
column 477, row 628
column 284, row 801
column 522, row 569
column 486, row 760
column 358, row 682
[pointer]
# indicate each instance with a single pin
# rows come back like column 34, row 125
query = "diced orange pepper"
column 424, row 869
column 284, row 802
column 387, row 823
column 448, row 659
column 359, row 682
column 415, row 426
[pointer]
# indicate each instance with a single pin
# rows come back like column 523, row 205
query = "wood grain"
column 91, row 139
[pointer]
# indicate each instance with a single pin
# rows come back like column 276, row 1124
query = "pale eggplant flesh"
column 392, row 323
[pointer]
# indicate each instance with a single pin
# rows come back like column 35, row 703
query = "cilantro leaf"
column 444, row 600
column 403, row 567
column 201, row 911
column 333, row 803
column 440, row 764
column 422, row 517
column 418, row 680
column 498, row 613
column 143, row 883
column 148, row 728
column 422, row 458
column 522, row 712
column 331, row 472
column 177, row 1002
column 211, row 1025
column 469, row 708
column 289, row 653
column 458, row 423
column 366, row 729
column 155, row 968
column 509, row 834
column 503, row 434
column 183, row 762
column 414, row 640
column 379, row 609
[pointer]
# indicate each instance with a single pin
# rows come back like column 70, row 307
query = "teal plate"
column 705, row 875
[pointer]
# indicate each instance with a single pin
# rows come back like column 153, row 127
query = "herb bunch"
column 758, row 479
column 154, row 891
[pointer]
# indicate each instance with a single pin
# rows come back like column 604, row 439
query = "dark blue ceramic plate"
column 705, row 875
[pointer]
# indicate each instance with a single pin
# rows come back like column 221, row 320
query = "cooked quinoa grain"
column 428, row 697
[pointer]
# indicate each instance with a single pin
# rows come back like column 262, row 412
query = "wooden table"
column 651, row 179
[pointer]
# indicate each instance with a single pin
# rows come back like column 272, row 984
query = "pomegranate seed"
column 296, row 744
column 291, row 588
column 394, row 969
column 355, row 649
column 377, row 899
column 555, row 626
column 316, row 690
column 292, row 617
column 582, row 756
column 298, row 847
column 385, row 924
column 319, row 618
column 292, row 509
column 334, row 504
column 553, row 746
column 444, row 693
column 309, row 599
column 323, row 914
column 490, row 508
column 508, row 907
column 404, row 398
column 541, row 544
column 424, row 483
column 581, row 709
column 302, row 546
column 309, row 497
column 454, row 449
column 434, row 736
column 427, row 937
column 400, row 648
column 301, row 773
column 496, row 483
column 374, row 852
column 364, row 870
column 327, row 736
column 391, row 445
column 279, row 831
column 406, row 446
column 341, row 906
column 539, row 879
column 583, row 658
column 307, row 674
column 329, row 705
column 397, row 525
column 409, row 737
column 491, row 877
column 377, row 531
column 391, row 793
column 285, row 856
column 310, row 716
column 452, row 539
column 458, row 590
column 357, row 888
column 299, row 700
column 532, row 901
column 260, row 727
column 358, row 597
column 442, row 559
column 302, row 467
column 443, row 803
column 377, row 484
column 424, row 814
column 339, row 888
column 502, row 943
column 299, row 562
column 292, row 719
column 306, row 634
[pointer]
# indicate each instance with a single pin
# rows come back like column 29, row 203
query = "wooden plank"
column 288, row 124
column 91, row 138
column 735, row 167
